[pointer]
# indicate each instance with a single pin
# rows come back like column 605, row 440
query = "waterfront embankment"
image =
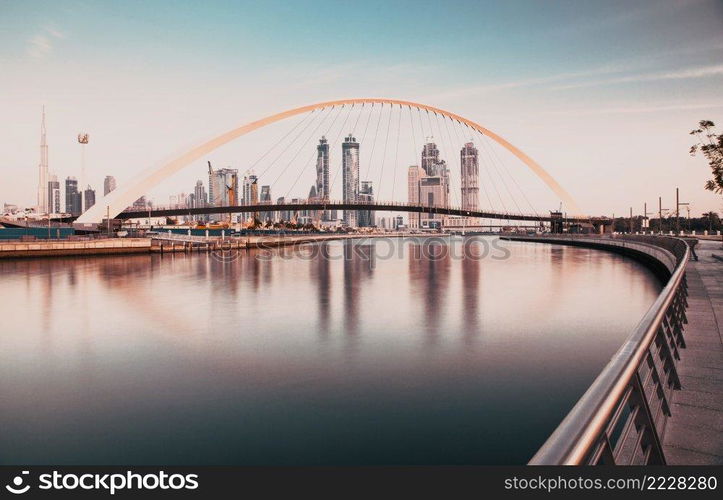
column 163, row 243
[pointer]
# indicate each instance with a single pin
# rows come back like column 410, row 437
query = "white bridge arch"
column 116, row 201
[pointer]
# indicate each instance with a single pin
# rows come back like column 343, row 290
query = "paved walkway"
column 695, row 432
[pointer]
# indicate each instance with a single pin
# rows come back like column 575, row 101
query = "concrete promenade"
column 163, row 243
column 695, row 431
column 56, row 248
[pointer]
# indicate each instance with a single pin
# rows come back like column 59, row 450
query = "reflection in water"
column 429, row 264
column 333, row 355
column 470, row 289
column 321, row 275
column 359, row 262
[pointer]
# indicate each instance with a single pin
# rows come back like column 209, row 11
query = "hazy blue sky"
column 602, row 94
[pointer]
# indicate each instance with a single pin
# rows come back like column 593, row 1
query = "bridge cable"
column 367, row 125
column 421, row 127
column 313, row 132
column 320, row 114
column 482, row 184
column 415, row 151
column 280, row 140
column 414, row 137
column 340, row 166
column 451, row 151
column 374, row 142
column 493, row 183
column 512, row 177
column 504, row 183
column 395, row 167
column 327, row 132
column 361, row 109
column 457, row 156
column 386, row 141
column 431, row 130
column 336, row 139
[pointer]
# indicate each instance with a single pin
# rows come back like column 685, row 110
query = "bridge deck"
column 695, row 430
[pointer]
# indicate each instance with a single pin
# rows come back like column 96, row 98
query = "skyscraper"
column 89, row 198
column 430, row 158
column 428, row 185
column 43, row 170
column 250, row 189
column 414, row 173
column 222, row 187
column 322, row 173
column 108, row 184
column 350, row 177
column 431, row 163
column 469, row 161
column 283, row 215
column 200, row 198
column 432, row 193
column 265, row 198
column 72, row 196
column 53, row 195
column 366, row 195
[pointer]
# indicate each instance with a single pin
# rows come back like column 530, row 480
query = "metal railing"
column 622, row 416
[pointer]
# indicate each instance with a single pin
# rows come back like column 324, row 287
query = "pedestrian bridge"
column 319, row 206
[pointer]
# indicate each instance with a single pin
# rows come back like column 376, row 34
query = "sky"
column 601, row 94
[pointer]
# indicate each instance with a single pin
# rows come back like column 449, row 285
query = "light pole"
column 646, row 219
column 677, row 211
column 678, row 204
column 661, row 211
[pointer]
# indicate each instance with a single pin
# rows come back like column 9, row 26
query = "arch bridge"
column 115, row 203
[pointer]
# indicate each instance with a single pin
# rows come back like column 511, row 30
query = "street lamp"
column 678, row 204
column 646, row 220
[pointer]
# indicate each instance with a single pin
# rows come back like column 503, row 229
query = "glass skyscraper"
column 350, row 177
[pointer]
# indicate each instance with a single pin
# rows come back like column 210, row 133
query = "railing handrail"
column 580, row 430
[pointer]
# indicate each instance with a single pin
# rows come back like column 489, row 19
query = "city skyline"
column 631, row 96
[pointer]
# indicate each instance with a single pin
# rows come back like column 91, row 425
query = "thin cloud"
column 528, row 82
column 625, row 109
column 55, row 32
column 42, row 44
column 584, row 78
column 688, row 73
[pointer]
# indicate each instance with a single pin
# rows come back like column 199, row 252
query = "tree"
column 713, row 220
column 711, row 146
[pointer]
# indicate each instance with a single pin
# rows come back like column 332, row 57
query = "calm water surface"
column 301, row 359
